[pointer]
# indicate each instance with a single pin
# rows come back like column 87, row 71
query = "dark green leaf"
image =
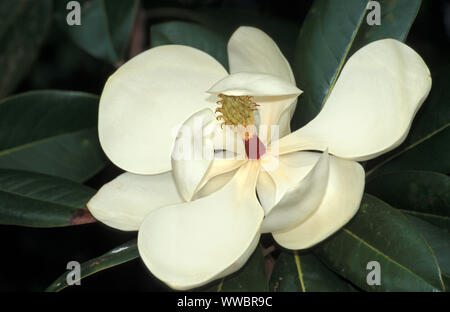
column 330, row 33
column 431, row 153
column 381, row 233
column 446, row 280
column 225, row 21
column 51, row 132
column 23, row 25
column 193, row 35
column 123, row 253
column 426, row 147
column 304, row 273
column 439, row 242
column 252, row 277
column 37, row 200
column 105, row 27
column 419, row 193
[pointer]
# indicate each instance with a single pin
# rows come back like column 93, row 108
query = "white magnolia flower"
column 201, row 219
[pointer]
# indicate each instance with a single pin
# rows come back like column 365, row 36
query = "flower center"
column 254, row 148
column 238, row 112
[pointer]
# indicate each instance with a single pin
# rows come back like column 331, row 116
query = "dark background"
column 31, row 258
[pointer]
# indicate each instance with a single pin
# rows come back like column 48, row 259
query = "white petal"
column 147, row 98
column 125, row 201
column 302, row 197
column 193, row 152
column 279, row 174
column 214, row 184
column 190, row 244
column 271, row 125
column 340, row 203
column 220, row 169
column 372, row 105
column 254, row 84
column 284, row 121
column 252, row 50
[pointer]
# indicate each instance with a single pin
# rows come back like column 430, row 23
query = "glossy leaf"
column 330, row 33
column 431, row 153
column 51, row 132
column 225, row 21
column 446, row 280
column 121, row 254
column 193, row 35
column 381, row 233
column 252, row 277
column 37, row 200
column 105, row 27
column 419, row 193
column 439, row 242
column 23, row 26
column 304, row 273
column 426, row 147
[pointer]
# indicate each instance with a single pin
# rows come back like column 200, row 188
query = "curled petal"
column 193, row 152
column 191, row 244
column 254, row 84
column 279, row 174
column 372, row 105
column 301, row 198
column 214, row 184
column 339, row 204
column 252, row 50
column 125, row 201
column 221, row 167
column 285, row 120
column 221, row 171
column 147, row 98
column 274, row 116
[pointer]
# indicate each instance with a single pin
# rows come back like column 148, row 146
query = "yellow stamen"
column 238, row 112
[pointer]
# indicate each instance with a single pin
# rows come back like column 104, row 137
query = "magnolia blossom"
column 200, row 218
